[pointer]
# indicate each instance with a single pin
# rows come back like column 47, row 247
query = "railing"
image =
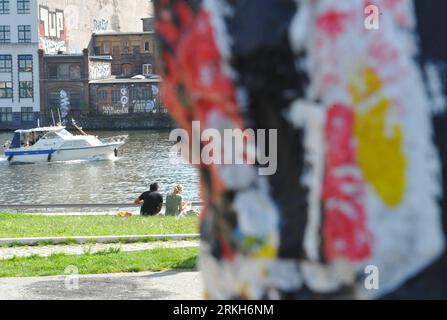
column 81, row 207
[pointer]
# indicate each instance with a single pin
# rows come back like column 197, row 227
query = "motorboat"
column 56, row 143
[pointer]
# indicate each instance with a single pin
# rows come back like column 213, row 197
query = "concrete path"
column 45, row 251
column 97, row 239
column 171, row 285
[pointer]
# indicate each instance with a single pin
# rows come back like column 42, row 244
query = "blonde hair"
column 178, row 189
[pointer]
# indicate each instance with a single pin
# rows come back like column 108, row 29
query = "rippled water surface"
column 142, row 160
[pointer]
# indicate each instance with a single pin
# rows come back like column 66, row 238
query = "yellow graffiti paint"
column 267, row 252
column 368, row 84
column 380, row 151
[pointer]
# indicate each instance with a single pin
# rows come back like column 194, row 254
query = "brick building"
column 64, row 81
column 133, row 53
column 126, row 96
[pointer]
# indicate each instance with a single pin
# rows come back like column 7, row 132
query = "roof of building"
column 126, row 80
column 102, row 58
column 115, row 33
column 64, row 55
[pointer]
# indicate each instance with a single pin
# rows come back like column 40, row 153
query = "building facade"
column 19, row 64
column 64, row 82
column 67, row 25
column 126, row 96
column 132, row 53
column 75, row 57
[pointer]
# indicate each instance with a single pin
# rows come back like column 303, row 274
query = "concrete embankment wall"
column 126, row 122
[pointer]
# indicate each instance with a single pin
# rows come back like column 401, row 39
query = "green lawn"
column 20, row 226
column 101, row 263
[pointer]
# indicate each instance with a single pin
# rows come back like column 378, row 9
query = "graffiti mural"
column 52, row 30
column 100, row 71
column 359, row 175
column 64, row 105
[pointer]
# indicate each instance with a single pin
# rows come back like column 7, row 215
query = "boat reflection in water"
column 55, row 143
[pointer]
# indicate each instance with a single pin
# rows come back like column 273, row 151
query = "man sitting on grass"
column 152, row 201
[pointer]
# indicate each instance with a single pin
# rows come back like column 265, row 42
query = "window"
column 4, row 6
column 24, row 34
column 26, row 89
column 54, row 99
column 25, row 63
column 147, row 46
column 75, row 72
column 115, row 50
column 116, row 97
column 126, row 47
column 75, row 100
column 103, row 95
column 63, row 72
column 27, row 114
column 5, row 114
column 52, row 71
column 5, row 63
column 5, row 34
column 5, row 90
column 147, row 94
column 23, row 6
column 106, row 48
column 147, row 69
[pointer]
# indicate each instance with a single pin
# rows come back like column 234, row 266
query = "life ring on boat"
column 115, row 152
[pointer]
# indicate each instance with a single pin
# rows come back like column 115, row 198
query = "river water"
column 142, row 160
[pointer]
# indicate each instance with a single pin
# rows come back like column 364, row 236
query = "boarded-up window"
column 75, row 72
column 63, row 71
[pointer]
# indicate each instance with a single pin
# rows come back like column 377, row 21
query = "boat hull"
column 88, row 153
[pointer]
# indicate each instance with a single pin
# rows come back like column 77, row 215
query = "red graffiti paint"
column 345, row 229
column 195, row 84
column 195, row 81
column 332, row 22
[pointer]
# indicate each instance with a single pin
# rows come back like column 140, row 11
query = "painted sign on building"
column 52, row 30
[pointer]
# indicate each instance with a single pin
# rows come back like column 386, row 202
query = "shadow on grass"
column 189, row 264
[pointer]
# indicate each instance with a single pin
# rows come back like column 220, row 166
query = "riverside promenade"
column 169, row 285
column 174, row 284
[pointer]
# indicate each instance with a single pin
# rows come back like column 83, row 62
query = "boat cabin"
column 28, row 138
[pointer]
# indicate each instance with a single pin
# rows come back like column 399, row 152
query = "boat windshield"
column 64, row 134
column 50, row 135
column 57, row 134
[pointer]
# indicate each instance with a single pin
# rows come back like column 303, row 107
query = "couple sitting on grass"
column 152, row 202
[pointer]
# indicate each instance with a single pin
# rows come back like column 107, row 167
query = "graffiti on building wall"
column 64, row 105
column 52, row 30
column 114, row 110
column 100, row 24
column 125, row 99
column 144, row 105
column 100, row 71
column 53, row 46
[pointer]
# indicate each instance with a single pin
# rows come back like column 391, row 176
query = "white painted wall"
column 15, row 49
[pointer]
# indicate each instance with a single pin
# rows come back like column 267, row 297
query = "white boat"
column 55, row 143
